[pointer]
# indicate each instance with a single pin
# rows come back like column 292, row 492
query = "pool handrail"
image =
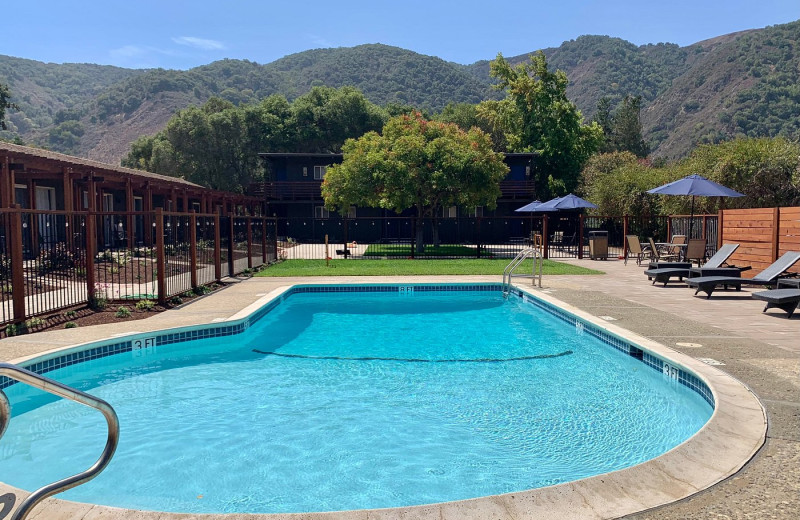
column 538, row 260
column 51, row 386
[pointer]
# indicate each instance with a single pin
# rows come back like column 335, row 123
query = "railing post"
column 263, row 240
column 231, row 245
column 703, row 231
column 580, row 237
column 193, row 247
column 275, row 237
column 625, row 227
column 91, row 253
column 249, row 243
column 478, row 235
column 545, row 238
column 160, row 257
column 17, row 265
column 217, row 247
column 669, row 228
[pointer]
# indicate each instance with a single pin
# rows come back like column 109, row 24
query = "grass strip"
column 341, row 267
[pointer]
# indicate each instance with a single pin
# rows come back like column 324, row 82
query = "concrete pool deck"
column 761, row 350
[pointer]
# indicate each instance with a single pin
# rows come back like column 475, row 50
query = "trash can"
column 598, row 245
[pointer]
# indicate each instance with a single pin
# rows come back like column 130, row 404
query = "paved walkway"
column 761, row 350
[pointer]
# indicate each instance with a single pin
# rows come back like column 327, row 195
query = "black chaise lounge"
column 784, row 299
column 711, row 268
column 768, row 276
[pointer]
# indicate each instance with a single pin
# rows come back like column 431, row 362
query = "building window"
column 477, row 212
column 451, row 212
column 351, row 212
column 305, row 171
column 321, row 212
column 319, row 172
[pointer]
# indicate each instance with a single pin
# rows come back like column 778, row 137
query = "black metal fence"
column 565, row 235
column 54, row 260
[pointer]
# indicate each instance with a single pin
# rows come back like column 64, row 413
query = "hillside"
column 739, row 84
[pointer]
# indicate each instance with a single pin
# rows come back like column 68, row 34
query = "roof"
column 71, row 161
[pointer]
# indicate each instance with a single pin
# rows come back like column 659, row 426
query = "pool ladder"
column 536, row 252
column 54, row 387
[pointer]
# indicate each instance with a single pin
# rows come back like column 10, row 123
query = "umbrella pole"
column 691, row 219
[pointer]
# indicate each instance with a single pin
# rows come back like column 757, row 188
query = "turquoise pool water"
column 349, row 401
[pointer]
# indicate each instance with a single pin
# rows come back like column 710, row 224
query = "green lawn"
column 412, row 267
column 404, row 250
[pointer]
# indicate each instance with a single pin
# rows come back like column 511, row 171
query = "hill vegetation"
column 742, row 84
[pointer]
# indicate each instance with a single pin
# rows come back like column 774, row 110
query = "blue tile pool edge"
column 133, row 342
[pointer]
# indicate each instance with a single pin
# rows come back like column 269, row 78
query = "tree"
column 217, row 145
column 628, row 127
column 537, row 117
column 326, row 116
column 416, row 163
column 622, row 131
column 5, row 96
column 605, row 120
column 467, row 115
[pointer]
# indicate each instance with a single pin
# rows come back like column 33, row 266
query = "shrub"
column 176, row 300
column 55, row 259
column 70, row 314
column 34, row 322
column 123, row 312
column 145, row 305
column 15, row 329
column 201, row 290
column 70, row 325
column 99, row 299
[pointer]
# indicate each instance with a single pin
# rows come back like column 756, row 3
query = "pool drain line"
column 415, row 360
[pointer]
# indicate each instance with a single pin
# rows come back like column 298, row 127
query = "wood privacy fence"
column 764, row 234
column 54, row 260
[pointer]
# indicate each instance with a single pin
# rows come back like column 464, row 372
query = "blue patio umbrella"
column 532, row 207
column 696, row 186
column 566, row 202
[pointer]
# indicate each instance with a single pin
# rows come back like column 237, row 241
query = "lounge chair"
column 696, row 249
column 768, row 276
column 784, row 299
column 634, row 248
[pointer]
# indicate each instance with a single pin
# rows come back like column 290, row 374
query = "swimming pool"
column 469, row 408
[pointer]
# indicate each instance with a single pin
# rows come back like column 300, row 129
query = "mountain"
column 743, row 83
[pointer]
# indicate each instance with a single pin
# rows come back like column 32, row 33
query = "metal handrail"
column 54, row 387
column 508, row 272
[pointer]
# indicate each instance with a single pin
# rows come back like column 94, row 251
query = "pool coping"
column 733, row 435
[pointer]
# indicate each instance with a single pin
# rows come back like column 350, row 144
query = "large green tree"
column 326, row 116
column 416, row 163
column 5, row 103
column 217, row 145
column 537, row 117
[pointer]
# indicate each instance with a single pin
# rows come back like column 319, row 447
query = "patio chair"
column 635, row 248
column 768, row 276
column 659, row 260
column 784, row 299
column 696, row 250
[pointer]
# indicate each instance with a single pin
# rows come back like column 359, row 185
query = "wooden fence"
column 764, row 234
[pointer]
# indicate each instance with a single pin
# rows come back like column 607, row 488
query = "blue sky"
column 185, row 34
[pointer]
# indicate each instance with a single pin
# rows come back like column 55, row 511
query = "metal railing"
column 54, row 387
column 534, row 251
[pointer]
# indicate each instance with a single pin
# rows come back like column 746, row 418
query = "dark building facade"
column 292, row 188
